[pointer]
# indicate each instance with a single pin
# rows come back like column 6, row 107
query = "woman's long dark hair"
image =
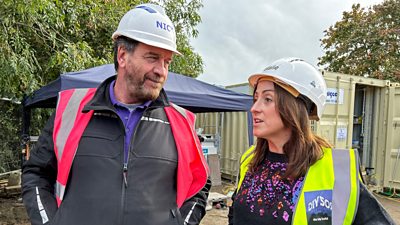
column 303, row 148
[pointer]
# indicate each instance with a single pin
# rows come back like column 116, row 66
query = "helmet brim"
column 256, row 78
column 147, row 42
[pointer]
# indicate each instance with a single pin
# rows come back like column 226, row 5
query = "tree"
column 41, row 39
column 366, row 42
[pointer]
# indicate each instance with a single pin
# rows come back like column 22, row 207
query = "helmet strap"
column 310, row 106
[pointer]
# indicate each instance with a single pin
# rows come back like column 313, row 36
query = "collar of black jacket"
column 101, row 99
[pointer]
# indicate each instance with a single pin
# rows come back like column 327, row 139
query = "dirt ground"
column 12, row 212
column 392, row 206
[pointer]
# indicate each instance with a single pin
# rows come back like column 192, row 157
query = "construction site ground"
column 12, row 211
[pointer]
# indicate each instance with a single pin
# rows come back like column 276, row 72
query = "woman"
column 292, row 176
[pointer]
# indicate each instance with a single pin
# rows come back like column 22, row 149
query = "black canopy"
column 192, row 94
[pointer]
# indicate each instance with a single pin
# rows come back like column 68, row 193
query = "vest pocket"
column 176, row 214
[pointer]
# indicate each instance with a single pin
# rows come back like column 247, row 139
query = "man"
column 121, row 153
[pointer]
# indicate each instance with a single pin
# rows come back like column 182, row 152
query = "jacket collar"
column 101, row 99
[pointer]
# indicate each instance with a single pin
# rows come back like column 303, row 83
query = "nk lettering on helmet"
column 149, row 24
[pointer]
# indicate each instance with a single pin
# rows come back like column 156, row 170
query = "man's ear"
column 121, row 56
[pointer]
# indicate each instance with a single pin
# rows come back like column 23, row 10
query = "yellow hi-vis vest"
column 330, row 190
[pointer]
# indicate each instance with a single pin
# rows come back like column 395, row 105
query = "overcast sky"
column 238, row 37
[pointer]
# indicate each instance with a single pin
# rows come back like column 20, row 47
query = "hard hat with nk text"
column 148, row 23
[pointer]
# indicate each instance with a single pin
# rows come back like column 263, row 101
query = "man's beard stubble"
column 137, row 88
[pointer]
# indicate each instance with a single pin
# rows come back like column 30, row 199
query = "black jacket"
column 96, row 192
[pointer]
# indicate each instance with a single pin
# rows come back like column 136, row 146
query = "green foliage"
column 190, row 63
column 10, row 150
column 365, row 42
column 185, row 17
column 41, row 39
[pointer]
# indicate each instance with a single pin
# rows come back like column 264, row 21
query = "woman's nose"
column 255, row 107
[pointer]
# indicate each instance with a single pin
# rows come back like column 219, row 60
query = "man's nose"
column 161, row 68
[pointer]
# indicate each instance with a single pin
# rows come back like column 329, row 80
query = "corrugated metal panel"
column 233, row 137
column 380, row 146
column 392, row 156
column 234, row 142
column 208, row 122
column 336, row 122
column 368, row 126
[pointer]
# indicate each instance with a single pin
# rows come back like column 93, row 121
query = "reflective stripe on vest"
column 335, row 174
column 244, row 162
column 69, row 117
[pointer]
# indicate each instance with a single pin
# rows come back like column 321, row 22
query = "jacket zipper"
column 124, row 176
column 125, row 168
column 125, row 173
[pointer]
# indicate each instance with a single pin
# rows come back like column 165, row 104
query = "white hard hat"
column 148, row 23
column 298, row 78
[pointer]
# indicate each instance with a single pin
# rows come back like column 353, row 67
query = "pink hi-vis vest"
column 70, row 123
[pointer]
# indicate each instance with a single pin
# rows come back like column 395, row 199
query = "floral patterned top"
column 264, row 197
